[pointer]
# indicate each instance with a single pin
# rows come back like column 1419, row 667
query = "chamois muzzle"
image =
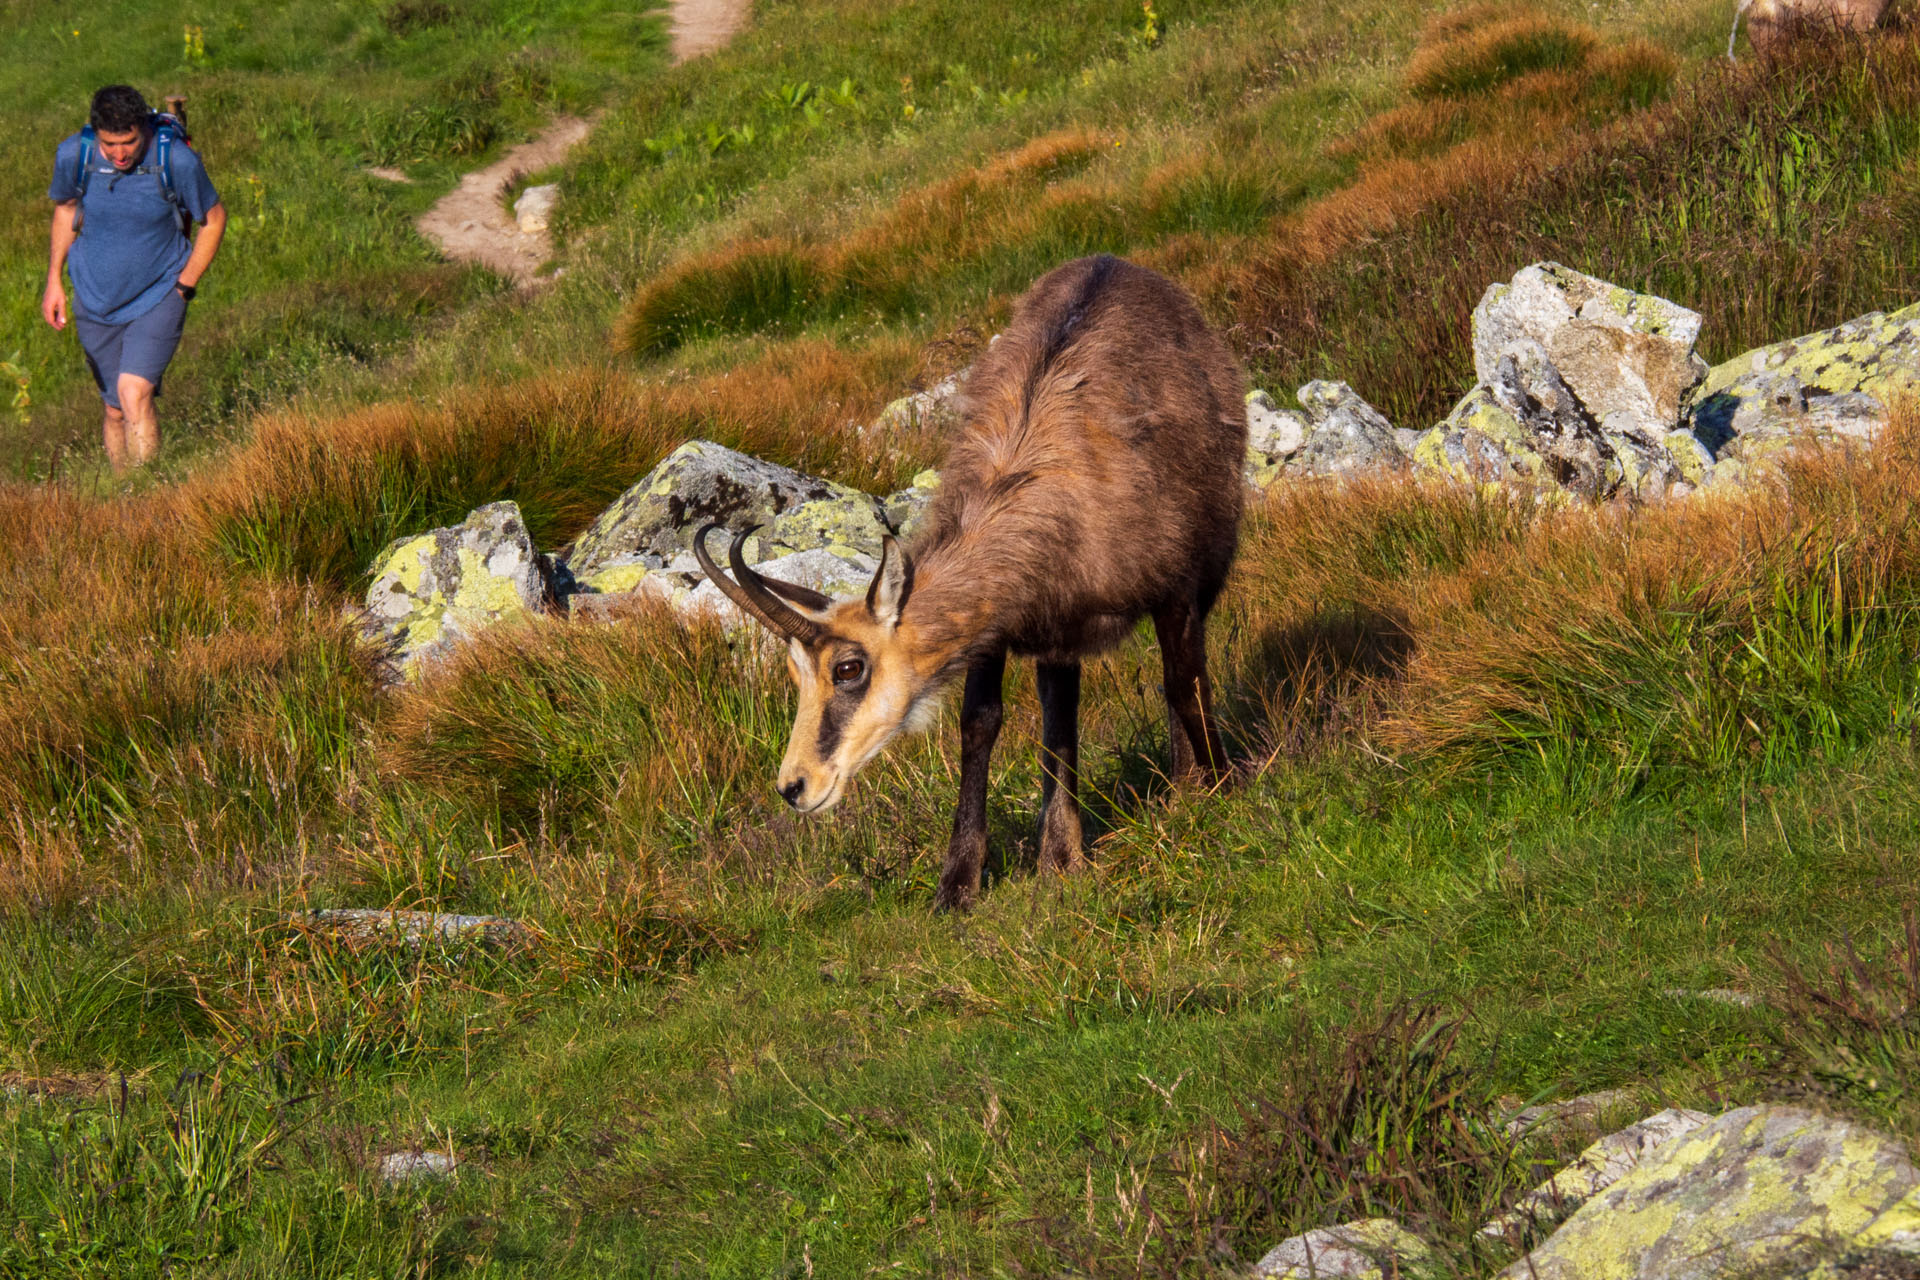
column 756, row 595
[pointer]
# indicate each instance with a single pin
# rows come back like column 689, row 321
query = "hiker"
column 126, row 191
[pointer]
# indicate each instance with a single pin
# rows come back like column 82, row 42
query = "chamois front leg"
column 1197, row 751
column 1059, row 688
column 980, row 715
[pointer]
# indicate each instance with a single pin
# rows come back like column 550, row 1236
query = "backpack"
column 168, row 129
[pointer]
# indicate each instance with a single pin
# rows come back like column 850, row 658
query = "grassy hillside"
column 1513, row 780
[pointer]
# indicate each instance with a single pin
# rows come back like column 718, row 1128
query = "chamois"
column 1769, row 22
column 1095, row 480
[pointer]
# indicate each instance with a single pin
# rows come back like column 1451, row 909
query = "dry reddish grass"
column 140, row 678
column 320, row 497
column 1480, row 49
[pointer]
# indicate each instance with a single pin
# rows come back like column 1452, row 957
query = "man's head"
column 119, row 116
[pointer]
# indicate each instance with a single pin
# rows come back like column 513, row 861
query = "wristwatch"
column 186, row 290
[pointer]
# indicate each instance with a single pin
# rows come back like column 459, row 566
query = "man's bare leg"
column 142, row 429
column 113, row 433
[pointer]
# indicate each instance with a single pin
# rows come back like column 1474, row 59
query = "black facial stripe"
column 830, row 724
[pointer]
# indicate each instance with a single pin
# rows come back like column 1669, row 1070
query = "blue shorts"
column 142, row 346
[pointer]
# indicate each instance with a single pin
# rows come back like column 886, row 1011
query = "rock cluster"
column 1582, row 388
column 1588, row 389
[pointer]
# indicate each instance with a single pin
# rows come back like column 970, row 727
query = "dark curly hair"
column 118, row 108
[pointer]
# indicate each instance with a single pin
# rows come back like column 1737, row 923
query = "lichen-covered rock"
column 702, row 482
column 1365, row 1250
column 1273, row 436
column 1594, row 1170
column 1344, row 434
column 904, row 509
column 1524, row 425
column 434, row 590
column 1273, row 430
column 1693, row 462
column 683, row 588
column 1840, row 382
column 1627, row 357
column 1752, row 1189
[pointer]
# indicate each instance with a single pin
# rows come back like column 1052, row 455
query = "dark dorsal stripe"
column 1068, row 323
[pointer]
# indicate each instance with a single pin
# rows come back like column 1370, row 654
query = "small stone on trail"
column 534, row 209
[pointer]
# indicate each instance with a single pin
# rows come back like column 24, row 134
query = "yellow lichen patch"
column 483, row 591
column 407, row 562
column 615, row 579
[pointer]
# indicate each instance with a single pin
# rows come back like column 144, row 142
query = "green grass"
column 1513, row 773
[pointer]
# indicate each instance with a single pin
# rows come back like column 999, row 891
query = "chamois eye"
column 847, row 670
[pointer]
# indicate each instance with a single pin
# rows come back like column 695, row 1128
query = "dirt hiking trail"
column 470, row 224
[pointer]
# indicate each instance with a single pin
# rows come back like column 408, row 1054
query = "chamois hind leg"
column 1059, row 688
column 980, row 715
column 1197, row 750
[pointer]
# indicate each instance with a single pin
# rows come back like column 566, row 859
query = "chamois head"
column 859, row 685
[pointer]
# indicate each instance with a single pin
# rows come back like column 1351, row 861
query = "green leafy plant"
column 14, row 371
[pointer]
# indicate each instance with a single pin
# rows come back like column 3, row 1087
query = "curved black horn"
column 750, row 591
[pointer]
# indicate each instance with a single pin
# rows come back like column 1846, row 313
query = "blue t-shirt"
column 130, row 249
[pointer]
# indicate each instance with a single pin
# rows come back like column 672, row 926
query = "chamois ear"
column 892, row 583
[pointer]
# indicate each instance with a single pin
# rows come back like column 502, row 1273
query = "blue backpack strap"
column 163, row 137
column 86, row 158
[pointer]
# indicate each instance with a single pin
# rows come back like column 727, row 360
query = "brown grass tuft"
column 1470, row 58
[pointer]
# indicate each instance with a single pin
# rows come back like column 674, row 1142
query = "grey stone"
column 1714, row 995
column 433, row 591
column 416, row 1166
column 1627, row 357
column 1693, row 462
column 1273, row 436
column 1344, row 434
column 411, row 928
column 1364, row 1250
column 702, row 482
column 1751, row 1192
column 534, row 209
column 1272, row 430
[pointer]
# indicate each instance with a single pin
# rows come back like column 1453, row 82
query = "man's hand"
column 53, row 305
